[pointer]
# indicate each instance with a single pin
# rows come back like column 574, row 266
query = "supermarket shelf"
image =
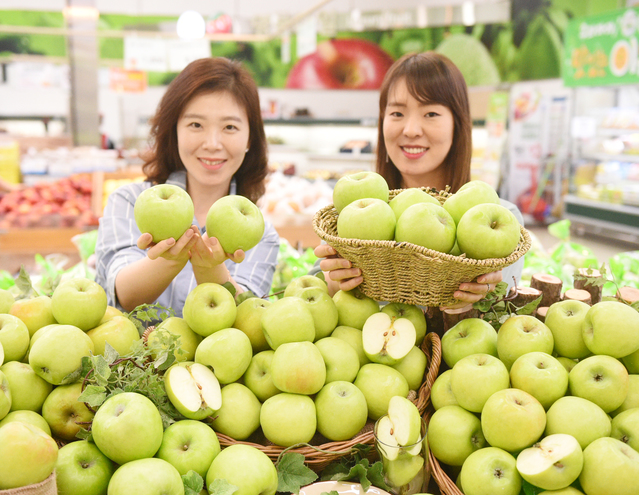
column 596, row 217
column 615, row 131
column 609, row 157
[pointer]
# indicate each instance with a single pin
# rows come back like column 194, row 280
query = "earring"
column 246, row 151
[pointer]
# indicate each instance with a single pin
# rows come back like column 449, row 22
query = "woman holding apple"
column 424, row 140
column 207, row 138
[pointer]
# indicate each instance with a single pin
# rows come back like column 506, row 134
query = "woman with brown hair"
column 208, row 138
column 424, row 140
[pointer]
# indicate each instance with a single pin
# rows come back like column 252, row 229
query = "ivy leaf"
column 93, row 395
column 528, row 489
column 243, row 296
column 332, row 492
column 110, row 354
column 221, row 487
column 193, row 483
column 530, row 308
column 23, row 282
column 230, row 287
column 293, row 474
column 635, row 305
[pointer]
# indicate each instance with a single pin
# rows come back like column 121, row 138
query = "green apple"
column 236, row 222
column 239, row 415
column 288, row 419
column 228, row 352
column 367, row 219
column 146, row 477
column 342, row 363
column 57, row 355
column 582, row 419
column 475, row 378
column 553, row 463
column 245, row 467
column 39, row 333
column 298, row 284
column 82, row 469
column 409, row 197
column 258, row 376
column 600, row 379
column 405, row 471
column 565, row 320
column 64, row 413
column 632, row 397
column 30, row 417
column 441, row 393
column 189, row 445
column 413, row 367
column 6, row 301
column 386, row 443
column 359, row 185
column 288, row 320
column 126, row 427
column 352, row 336
column 489, row 471
column 14, row 337
column 521, row 334
column 406, row 421
column 165, row 211
column 341, row 410
column 193, row 389
column 453, row 434
column 488, row 231
column 110, row 312
column 5, row 396
column 472, row 193
column 379, row 383
column 28, row 390
column 631, row 361
column 34, row 312
column 354, row 308
column 322, row 308
column 413, row 313
column 427, row 225
column 79, row 302
column 625, row 427
column 541, row 375
column 1, row 354
column 387, row 340
column 189, row 340
column 120, row 332
column 512, row 420
column 27, row 455
column 611, row 328
column 249, row 320
column 209, row 308
column 469, row 336
column 610, row 468
column 567, row 363
column 298, row 368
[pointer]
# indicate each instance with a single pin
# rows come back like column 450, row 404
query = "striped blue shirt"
column 117, row 247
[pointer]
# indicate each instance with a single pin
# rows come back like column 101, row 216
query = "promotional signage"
column 602, row 50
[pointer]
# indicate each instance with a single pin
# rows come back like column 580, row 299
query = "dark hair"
column 208, row 75
column 430, row 78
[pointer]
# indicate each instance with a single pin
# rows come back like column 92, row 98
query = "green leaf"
column 193, row 483
column 110, row 354
column 93, row 395
column 528, row 489
column 221, row 487
column 292, row 473
column 230, row 287
column 376, row 475
column 102, row 368
column 332, row 492
column 23, row 282
column 530, row 308
column 635, row 305
column 243, row 296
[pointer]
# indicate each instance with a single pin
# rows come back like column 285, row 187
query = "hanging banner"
column 602, row 50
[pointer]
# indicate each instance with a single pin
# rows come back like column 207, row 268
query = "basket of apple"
column 417, row 245
column 536, row 406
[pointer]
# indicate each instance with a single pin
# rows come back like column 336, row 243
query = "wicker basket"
column 318, row 459
column 46, row 487
column 407, row 273
column 445, row 484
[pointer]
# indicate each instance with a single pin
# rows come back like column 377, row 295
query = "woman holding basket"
column 424, row 140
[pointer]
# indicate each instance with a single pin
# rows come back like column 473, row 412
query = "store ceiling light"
column 80, row 12
column 468, row 13
column 191, row 25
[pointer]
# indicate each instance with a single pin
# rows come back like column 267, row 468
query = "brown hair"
column 208, row 75
column 430, row 78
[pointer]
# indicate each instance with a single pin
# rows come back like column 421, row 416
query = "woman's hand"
column 472, row 292
column 170, row 249
column 338, row 269
column 208, row 253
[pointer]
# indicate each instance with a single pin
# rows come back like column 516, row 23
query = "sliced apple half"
column 1, row 354
column 386, row 441
column 406, row 421
column 406, row 470
column 553, row 463
column 194, row 390
column 387, row 340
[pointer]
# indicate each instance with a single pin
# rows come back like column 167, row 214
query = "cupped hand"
column 338, row 269
column 208, row 253
column 472, row 292
column 170, row 249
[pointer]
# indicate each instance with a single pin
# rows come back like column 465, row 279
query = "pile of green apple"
column 555, row 403
column 472, row 221
column 304, row 368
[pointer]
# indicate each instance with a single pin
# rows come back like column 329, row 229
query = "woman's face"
column 213, row 135
column 418, row 137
